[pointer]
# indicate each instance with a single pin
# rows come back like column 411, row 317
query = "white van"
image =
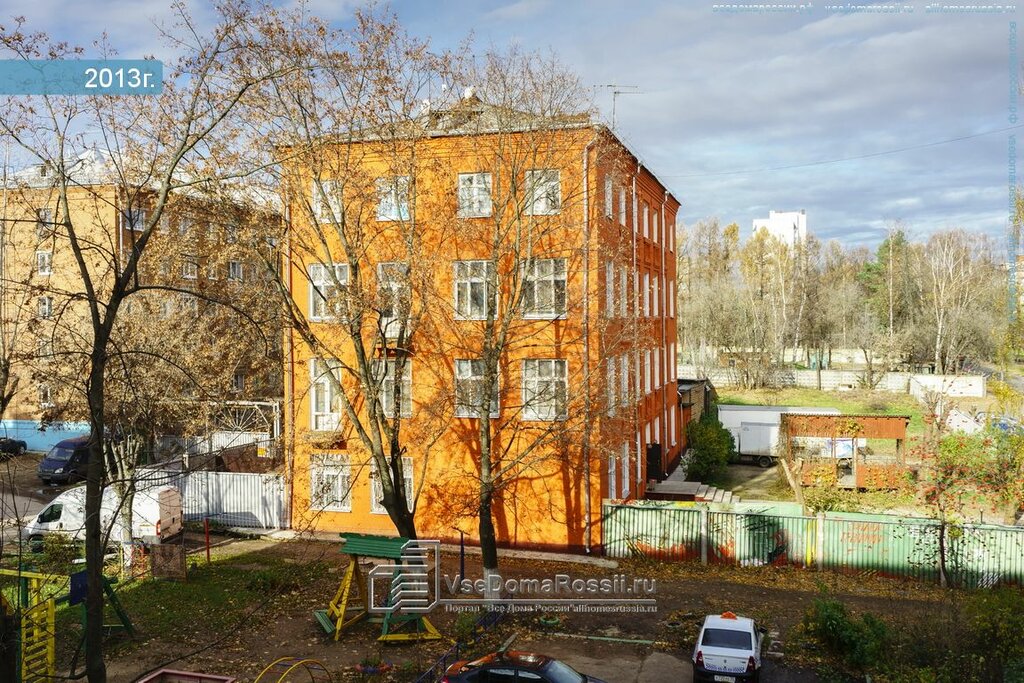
column 156, row 516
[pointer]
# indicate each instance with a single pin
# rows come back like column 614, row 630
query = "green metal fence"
column 976, row 555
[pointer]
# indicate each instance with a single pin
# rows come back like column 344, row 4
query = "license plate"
column 726, row 679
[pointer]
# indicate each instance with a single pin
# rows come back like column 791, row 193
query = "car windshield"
column 60, row 454
column 720, row 637
column 557, row 672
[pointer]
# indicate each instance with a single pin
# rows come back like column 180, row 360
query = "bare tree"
column 127, row 156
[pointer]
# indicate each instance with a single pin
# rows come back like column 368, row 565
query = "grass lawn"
column 848, row 402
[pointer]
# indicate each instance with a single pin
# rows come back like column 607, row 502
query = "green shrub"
column 272, row 581
column 996, row 618
column 465, row 627
column 861, row 642
column 713, row 448
column 58, row 551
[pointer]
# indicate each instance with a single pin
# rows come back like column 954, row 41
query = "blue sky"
column 742, row 91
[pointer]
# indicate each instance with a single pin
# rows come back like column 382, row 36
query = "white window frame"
column 464, row 284
column 384, row 371
column 655, row 294
column 331, row 189
column 474, row 195
column 133, row 219
column 45, row 396
column 613, row 484
column 236, row 271
column 44, row 222
column 323, row 287
column 238, row 381
column 648, row 379
column 543, row 192
column 622, row 206
column 609, row 199
column 544, row 275
column 626, row 469
column 647, row 295
column 657, row 369
column 335, row 466
column 392, row 283
column 393, row 198
column 44, row 262
column 611, row 388
column 184, row 225
column 623, row 292
column 325, row 420
column 377, row 488
column 657, row 430
column 545, row 389
column 190, row 268
column 624, row 378
column 609, row 289
column 655, row 227
column 44, row 307
column 466, row 371
column 671, row 299
column 646, row 212
column 672, row 424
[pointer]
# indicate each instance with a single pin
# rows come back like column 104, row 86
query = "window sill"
column 330, row 509
column 467, row 416
column 474, row 215
column 560, row 418
column 545, row 316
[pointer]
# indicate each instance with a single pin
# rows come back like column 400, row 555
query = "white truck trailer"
column 756, row 428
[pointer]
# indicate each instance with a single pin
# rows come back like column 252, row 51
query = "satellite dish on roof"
column 469, row 93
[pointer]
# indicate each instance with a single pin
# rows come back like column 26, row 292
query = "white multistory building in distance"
column 790, row 227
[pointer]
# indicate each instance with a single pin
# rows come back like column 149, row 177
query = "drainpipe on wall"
column 662, row 293
column 636, row 328
column 289, row 397
column 586, row 346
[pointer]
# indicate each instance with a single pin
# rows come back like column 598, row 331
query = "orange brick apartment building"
column 558, row 236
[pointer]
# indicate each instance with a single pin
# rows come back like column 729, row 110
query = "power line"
column 854, row 158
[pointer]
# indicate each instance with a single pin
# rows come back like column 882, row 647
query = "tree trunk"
column 488, row 544
column 95, row 668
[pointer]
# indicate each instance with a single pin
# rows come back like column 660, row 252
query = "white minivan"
column 156, row 516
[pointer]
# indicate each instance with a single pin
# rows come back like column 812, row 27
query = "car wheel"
column 22, row 450
column 35, row 543
column 765, row 461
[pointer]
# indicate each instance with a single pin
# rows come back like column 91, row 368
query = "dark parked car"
column 66, row 462
column 9, row 447
column 515, row 667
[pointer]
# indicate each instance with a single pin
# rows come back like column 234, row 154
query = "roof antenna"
column 620, row 90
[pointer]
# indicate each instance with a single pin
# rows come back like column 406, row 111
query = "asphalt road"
column 21, row 493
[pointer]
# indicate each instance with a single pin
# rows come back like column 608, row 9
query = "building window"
column 647, row 371
column 647, row 219
column 672, row 424
column 190, row 269
column 657, row 369
column 44, row 262
column 393, row 198
column 469, row 387
column 44, row 349
column 608, row 199
column 184, row 225
column 327, row 205
column 44, row 307
column 623, row 292
column 622, row 206
column 235, row 270
column 45, row 396
column 543, row 192
column 646, row 294
column 133, row 219
column 609, row 289
column 326, row 282
column 393, row 288
column 330, row 476
column 211, row 271
column 611, row 388
column 44, row 222
column 624, row 378
column 472, row 289
column 544, row 288
column 671, row 299
column 613, row 484
column 231, row 233
column 656, row 294
column 545, row 389
column 189, row 303
column 385, row 371
column 238, row 382
column 654, row 231
column 166, row 308
column 377, row 487
column 325, row 414
column 625, row 469
column 474, row 195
